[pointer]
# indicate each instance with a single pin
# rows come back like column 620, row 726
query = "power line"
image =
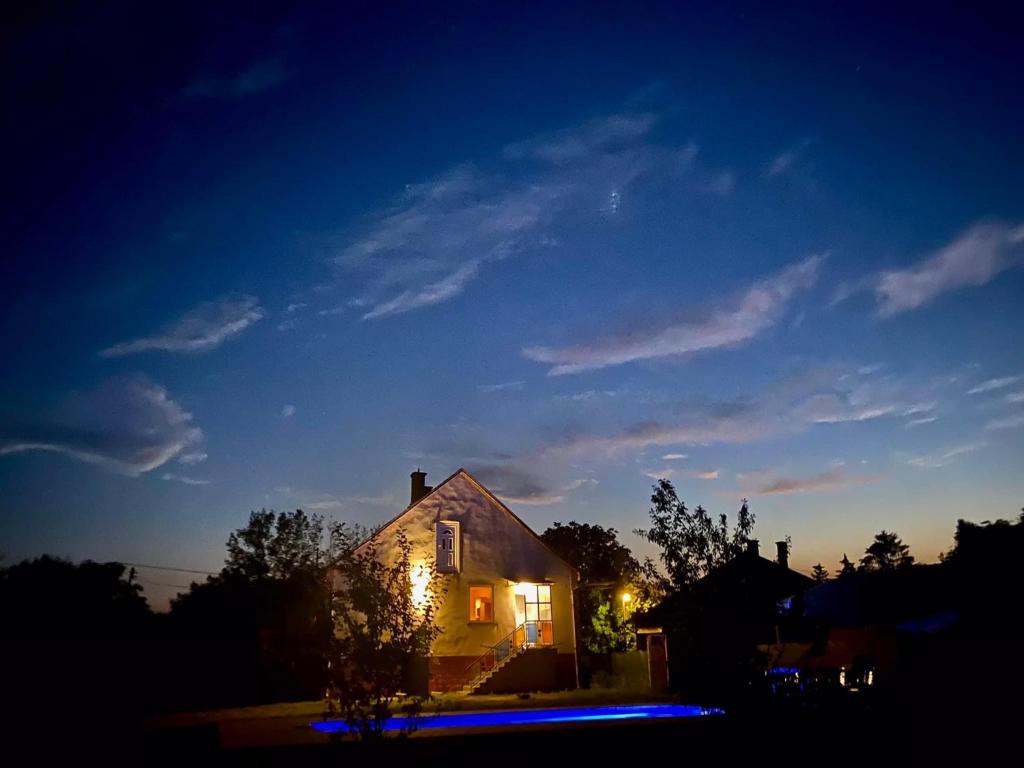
column 167, row 568
column 163, row 583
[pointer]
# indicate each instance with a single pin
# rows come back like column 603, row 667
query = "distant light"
column 626, row 597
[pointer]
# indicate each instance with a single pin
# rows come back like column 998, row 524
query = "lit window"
column 534, row 614
column 481, row 603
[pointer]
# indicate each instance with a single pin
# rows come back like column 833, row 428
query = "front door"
column 534, row 615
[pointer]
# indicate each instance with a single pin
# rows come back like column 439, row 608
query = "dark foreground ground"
column 941, row 736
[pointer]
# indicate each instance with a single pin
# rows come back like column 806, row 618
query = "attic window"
column 448, row 554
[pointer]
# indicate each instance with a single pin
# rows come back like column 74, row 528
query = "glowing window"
column 481, row 603
column 534, row 613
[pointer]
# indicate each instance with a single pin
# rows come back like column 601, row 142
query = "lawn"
column 312, row 710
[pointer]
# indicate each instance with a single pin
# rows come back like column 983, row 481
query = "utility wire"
column 167, row 568
column 163, row 583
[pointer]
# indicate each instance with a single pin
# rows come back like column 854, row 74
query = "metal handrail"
column 496, row 653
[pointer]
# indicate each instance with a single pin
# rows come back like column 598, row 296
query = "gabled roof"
column 490, row 496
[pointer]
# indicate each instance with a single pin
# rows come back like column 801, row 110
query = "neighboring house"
column 507, row 618
column 868, row 628
column 739, row 602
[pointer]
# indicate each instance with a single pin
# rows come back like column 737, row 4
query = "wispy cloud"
column 601, row 135
column 330, row 311
column 447, row 287
column 515, row 484
column 325, row 502
column 436, row 238
column 502, row 387
column 261, row 76
column 192, row 457
column 587, row 395
column 673, row 457
column 668, row 473
column 722, row 183
column 992, row 384
column 206, row 327
column 786, row 159
column 947, row 457
column 768, row 484
column 975, row 257
column 287, row 411
column 821, row 396
column 1015, row 397
column 440, row 236
column 183, row 479
column 919, row 422
column 753, row 312
column 1006, row 422
column 128, row 425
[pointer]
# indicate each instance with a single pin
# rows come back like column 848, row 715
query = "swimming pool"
column 534, row 717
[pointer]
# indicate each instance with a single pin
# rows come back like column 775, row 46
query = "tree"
column 846, row 567
column 594, row 551
column 74, row 632
column 261, row 629
column 886, row 553
column 384, row 607
column 276, row 545
column 820, row 574
column 693, row 543
column 608, row 572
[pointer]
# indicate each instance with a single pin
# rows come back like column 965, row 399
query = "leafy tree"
column 608, row 571
column 820, row 573
column 886, row 553
column 991, row 542
column 846, row 567
column 384, row 607
column 276, row 545
column 261, row 629
column 693, row 543
column 594, row 551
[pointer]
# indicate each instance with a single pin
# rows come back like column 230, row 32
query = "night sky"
column 281, row 259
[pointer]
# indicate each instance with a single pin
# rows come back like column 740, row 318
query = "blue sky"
column 283, row 260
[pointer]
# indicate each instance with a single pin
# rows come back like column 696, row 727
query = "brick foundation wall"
column 448, row 673
column 545, row 671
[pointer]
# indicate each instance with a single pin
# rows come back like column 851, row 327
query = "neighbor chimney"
column 752, row 547
column 783, row 557
column 419, row 486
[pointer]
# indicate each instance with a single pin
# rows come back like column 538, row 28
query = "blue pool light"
column 533, row 717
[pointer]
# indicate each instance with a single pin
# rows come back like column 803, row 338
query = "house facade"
column 508, row 615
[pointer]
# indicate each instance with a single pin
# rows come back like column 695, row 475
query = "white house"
column 508, row 620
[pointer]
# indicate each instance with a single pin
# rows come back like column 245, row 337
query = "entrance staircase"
column 498, row 657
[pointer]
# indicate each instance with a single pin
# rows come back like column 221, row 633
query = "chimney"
column 783, row 556
column 752, row 547
column 419, row 487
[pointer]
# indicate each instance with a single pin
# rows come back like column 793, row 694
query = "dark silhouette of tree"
column 276, row 545
column 384, row 610
column 820, row 574
column 73, row 633
column 594, row 551
column 261, row 629
column 693, row 543
column 886, row 553
column 846, row 567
